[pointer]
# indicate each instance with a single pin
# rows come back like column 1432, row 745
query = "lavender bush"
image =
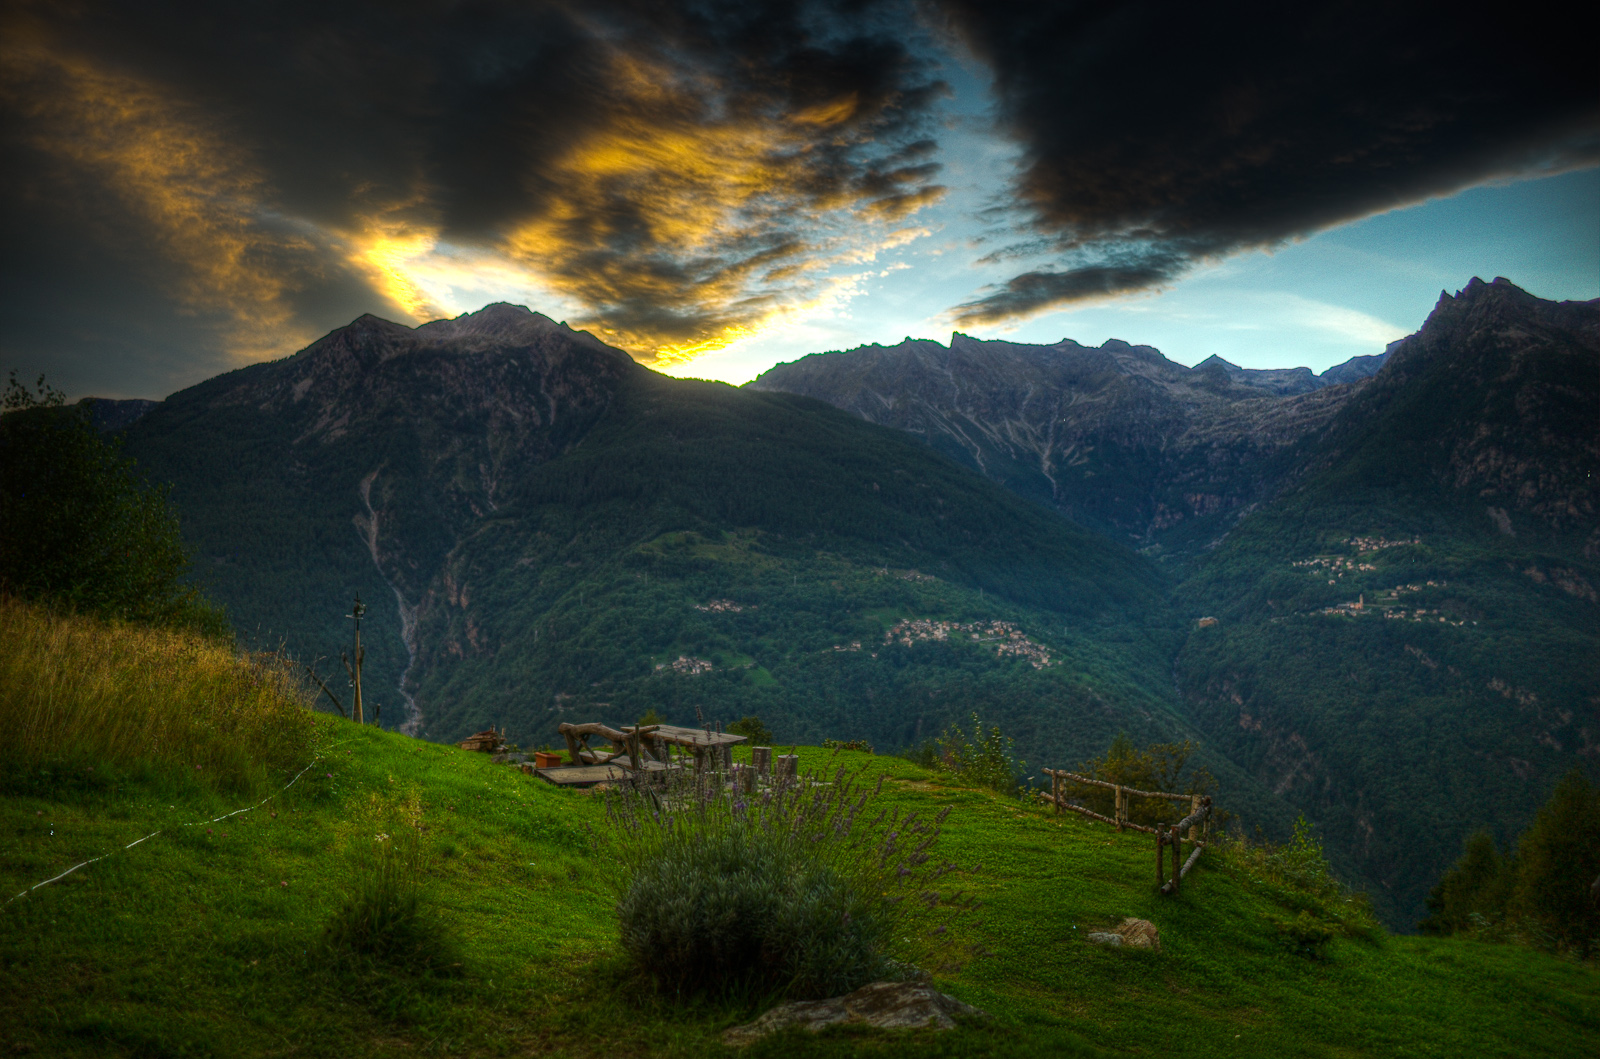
column 797, row 889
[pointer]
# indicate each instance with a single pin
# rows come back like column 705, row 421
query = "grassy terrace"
column 207, row 939
column 190, row 943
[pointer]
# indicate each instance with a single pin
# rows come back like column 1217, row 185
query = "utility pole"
column 356, row 612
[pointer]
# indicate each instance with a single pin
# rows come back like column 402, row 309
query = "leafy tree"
column 80, row 527
column 1558, row 863
column 1473, row 892
column 1547, row 892
column 752, row 728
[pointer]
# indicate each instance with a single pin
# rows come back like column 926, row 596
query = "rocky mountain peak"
column 1495, row 395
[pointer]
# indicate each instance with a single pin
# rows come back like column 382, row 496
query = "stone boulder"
column 1133, row 933
column 887, row 1005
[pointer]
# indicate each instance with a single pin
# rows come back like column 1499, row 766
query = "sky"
column 720, row 186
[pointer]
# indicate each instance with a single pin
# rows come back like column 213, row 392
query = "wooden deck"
column 581, row 775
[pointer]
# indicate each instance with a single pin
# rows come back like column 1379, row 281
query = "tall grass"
column 115, row 696
column 384, row 918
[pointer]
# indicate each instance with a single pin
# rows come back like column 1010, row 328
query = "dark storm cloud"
column 267, row 171
column 1158, row 135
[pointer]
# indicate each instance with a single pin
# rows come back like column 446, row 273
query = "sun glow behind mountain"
column 715, row 194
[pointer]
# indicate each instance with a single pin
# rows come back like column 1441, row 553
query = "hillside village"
column 1007, row 639
column 686, row 666
column 723, row 606
column 1338, row 565
column 1385, row 602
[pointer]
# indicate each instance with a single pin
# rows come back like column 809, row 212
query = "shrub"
column 752, row 728
column 1306, row 935
column 852, row 744
column 790, row 891
column 981, row 758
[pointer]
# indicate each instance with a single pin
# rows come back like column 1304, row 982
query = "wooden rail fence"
column 1197, row 825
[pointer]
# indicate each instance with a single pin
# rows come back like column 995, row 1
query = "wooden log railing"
column 1091, row 814
column 1090, row 781
column 1174, row 838
column 1196, row 826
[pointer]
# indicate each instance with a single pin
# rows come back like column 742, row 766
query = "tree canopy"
column 80, row 527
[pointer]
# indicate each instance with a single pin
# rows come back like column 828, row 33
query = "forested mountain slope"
column 1407, row 646
column 546, row 531
column 357, row 464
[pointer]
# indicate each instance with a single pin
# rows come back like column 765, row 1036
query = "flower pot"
column 546, row 760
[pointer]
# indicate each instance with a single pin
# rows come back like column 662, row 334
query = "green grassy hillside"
column 210, row 936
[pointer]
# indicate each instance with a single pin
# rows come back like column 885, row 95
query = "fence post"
column 1177, row 858
column 1122, row 811
column 1194, row 807
column 1055, row 791
column 1161, row 864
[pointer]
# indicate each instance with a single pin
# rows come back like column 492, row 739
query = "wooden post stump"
column 744, row 779
column 788, row 768
column 761, row 759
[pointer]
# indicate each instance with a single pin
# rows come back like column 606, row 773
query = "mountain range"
column 1116, row 437
column 1369, row 595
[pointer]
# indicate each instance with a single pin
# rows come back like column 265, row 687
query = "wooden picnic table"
column 645, row 749
column 660, row 737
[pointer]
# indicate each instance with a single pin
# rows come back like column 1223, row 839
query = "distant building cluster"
column 1385, row 603
column 1373, row 544
column 1335, row 562
column 1007, row 639
column 723, row 606
column 689, row 667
